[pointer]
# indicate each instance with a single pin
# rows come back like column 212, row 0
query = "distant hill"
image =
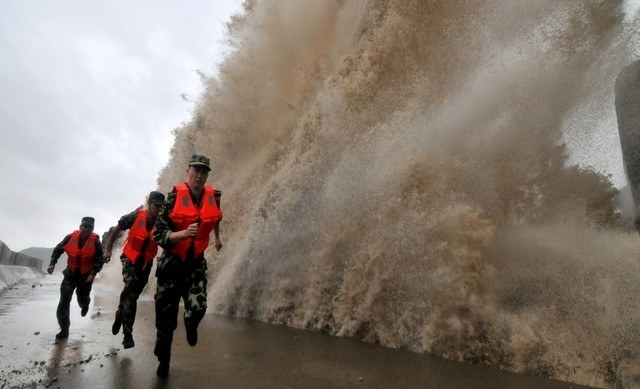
column 38, row 252
column 44, row 254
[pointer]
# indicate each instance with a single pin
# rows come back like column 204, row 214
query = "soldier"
column 137, row 260
column 84, row 253
column 183, row 229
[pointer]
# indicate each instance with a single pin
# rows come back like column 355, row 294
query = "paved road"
column 231, row 353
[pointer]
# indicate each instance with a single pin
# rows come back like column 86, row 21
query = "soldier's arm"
column 165, row 233
column 164, row 226
column 216, row 236
column 57, row 252
column 112, row 238
column 98, row 259
column 125, row 223
column 216, row 227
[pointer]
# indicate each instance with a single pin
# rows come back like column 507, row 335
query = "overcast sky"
column 89, row 95
column 90, row 92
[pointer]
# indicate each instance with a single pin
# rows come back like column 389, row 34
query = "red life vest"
column 185, row 213
column 138, row 234
column 81, row 258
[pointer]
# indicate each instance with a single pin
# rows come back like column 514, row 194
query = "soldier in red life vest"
column 84, row 252
column 183, row 229
column 137, row 260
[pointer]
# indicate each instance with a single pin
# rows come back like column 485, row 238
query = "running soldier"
column 137, row 256
column 84, row 252
column 183, row 229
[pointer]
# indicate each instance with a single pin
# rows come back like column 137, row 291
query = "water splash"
column 398, row 172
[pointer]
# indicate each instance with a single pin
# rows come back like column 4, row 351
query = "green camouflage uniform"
column 176, row 279
column 74, row 281
column 135, row 278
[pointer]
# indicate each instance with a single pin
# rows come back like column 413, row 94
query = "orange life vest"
column 185, row 213
column 138, row 234
column 81, row 259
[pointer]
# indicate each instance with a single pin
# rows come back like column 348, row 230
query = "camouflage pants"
column 135, row 279
column 69, row 284
column 192, row 288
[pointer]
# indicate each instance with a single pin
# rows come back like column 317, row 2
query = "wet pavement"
column 231, row 353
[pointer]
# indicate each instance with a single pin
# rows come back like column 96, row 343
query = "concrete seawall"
column 16, row 267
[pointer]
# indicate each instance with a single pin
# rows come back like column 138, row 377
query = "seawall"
column 16, row 267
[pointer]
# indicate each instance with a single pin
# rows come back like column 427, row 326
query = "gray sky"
column 89, row 95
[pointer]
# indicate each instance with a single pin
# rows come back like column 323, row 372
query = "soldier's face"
column 85, row 230
column 197, row 177
column 153, row 210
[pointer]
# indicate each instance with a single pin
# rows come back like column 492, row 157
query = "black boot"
column 63, row 334
column 192, row 332
column 117, row 323
column 128, row 341
column 163, row 368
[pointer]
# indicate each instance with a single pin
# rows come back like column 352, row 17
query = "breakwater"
column 16, row 267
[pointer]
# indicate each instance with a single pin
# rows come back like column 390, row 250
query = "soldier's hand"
column 217, row 244
column 191, row 231
column 50, row 269
column 90, row 278
column 107, row 256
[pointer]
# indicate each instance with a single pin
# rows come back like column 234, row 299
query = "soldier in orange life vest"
column 137, row 260
column 183, row 229
column 84, row 253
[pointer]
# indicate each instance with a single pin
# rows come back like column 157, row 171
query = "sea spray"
column 396, row 172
